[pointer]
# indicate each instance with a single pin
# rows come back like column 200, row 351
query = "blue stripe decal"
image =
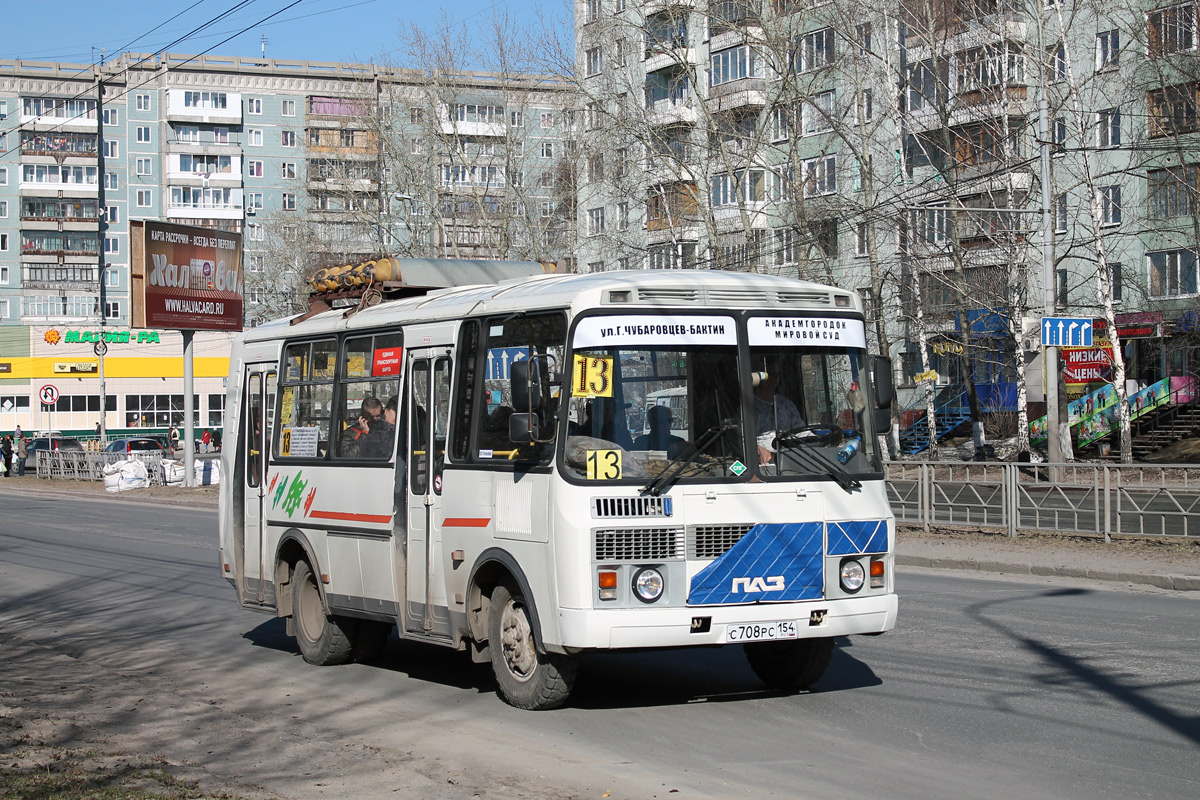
column 771, row 563
column 857, row 537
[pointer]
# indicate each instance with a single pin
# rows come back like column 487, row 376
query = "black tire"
column 370, row 637
column 788, row 666
column 323, row 638
column 526, row 678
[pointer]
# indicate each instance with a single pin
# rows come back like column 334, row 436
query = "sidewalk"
column 1139, row 562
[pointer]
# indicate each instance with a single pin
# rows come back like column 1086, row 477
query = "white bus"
column 526, row 538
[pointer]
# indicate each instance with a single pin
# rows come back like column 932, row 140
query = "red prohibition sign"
column 48, row 394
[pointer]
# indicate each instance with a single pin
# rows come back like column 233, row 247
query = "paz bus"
column 409, row 465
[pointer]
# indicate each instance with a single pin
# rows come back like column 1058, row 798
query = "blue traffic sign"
column 499, row 360
column 1066, row 332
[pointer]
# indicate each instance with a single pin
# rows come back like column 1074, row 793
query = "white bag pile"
column 208, row 471
column 125, row 475
column 172, row 472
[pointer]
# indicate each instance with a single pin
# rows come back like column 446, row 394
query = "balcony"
column 204, row 107
column 744, row 93
column 59, row 145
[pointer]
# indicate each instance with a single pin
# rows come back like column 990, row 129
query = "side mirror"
column 883, row 420
column 881, row 377
column 524, row 428
column 526, row 382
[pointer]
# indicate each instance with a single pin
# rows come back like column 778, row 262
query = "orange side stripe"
column 348, row 517
column 466, row 522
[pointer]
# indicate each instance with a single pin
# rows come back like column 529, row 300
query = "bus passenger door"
column 259, row 403
column 428, row 396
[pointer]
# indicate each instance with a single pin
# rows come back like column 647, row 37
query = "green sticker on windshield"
column 737, row 468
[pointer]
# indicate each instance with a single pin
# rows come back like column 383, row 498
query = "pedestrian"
column 6, row 450
column 216, row 439
column 173, row 437
column 22, row 452
column 206, row 439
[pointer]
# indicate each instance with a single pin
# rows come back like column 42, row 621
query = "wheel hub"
column 516, row 642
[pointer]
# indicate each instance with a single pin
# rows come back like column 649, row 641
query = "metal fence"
column 1108, row 499
column 82, row 465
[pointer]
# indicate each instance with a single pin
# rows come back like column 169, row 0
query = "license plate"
column 761, row 631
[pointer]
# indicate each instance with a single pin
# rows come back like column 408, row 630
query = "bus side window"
column 306, row 399
column 509, row 339
column 366, row 418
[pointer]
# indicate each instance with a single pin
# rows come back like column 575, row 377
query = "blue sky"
column 314, row 30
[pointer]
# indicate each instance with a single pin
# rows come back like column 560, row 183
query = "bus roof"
column 678, row 289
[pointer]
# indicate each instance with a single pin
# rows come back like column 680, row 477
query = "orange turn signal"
column 876, row 568
column 608, row 580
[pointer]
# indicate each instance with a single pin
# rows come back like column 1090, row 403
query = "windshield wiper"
column 823, row 464
column 666, row 479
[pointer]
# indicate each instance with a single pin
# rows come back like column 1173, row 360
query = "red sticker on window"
column 387, row 361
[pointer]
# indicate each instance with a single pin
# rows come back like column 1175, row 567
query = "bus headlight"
column 852, row 575
column 648, row 584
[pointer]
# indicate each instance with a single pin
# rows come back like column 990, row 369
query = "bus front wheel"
column 322, row 639
column 788, row 666
column 527, row 679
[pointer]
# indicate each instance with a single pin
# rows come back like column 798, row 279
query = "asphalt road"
column 988, row 688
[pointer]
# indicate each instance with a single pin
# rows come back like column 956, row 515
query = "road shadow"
column 607, row 680
column 1073, row 670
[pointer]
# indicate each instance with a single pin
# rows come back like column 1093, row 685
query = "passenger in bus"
column 378, row 441
column 773, row 413
column 604, row 420
column 351, row 443
column 660, row 436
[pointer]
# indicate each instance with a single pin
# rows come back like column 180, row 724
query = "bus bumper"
column 673, row 627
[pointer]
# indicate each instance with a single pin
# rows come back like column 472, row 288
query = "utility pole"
column 101, row 230
column 1054, row 453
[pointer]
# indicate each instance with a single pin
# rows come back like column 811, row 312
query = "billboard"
column 185, row 278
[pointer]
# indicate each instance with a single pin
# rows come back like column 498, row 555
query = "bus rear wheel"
column 526, row 678
column 788, row 666
column 322, row 638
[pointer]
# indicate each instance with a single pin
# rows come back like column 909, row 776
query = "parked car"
column 138, row 444
column 49, row 443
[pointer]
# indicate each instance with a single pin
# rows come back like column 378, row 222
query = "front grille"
column 639, row 544
column 712, row 541
column 612, row 507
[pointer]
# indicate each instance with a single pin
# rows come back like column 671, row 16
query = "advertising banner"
column 186, row 278
column 1082, row 365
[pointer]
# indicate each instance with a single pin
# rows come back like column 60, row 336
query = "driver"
column 773, row 413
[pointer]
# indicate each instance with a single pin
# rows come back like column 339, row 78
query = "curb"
column 124, row 497
column 1178, row 583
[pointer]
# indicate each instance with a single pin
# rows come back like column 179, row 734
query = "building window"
column 254, row 200
column 1172, row 110
column 254, row 137
column 255, row 232
column 546, row 210
column 111, row 245
column 287, row 108
column 1108, row 127
column 820, row 176
column 817, row 114
column 866, row 106
column 1056, row 62
column 1172, row 30
column 1172, row 191
column 862, row 237
column 862, row 34
column 143, row 198
column 112, row 277
column 142, row 166
column 595, row 266
column 595, row 167
column 254, row 105
column 1108, row 49
column 623, row 216
column 734, row 64
column 591, row 11
column 111, row 181
column 3, row 176
column 111, row 148
column 4, row 209
column 547, row 118
column 288, row 202
column 1110, row 205
column 1117, row 286
column 112, row 309
column 255, row 262
column 595, row 221
column 595, row 60
column 187, row 134
column 288, row 170
column 779, row 124
column 1172, row 273
column 1059, row 213
column 1059, row 135
column 113, row 214
column 141, row 102
column 547, row 149
column 110, row 116
column 815, row 50
column 143, row 134
column 415, row 115
column 3, row 242
column 1061, row 288
column 288, row 138
column 254, row 169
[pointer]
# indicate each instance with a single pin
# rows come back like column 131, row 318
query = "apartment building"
column 895, row 150
column 316, row 164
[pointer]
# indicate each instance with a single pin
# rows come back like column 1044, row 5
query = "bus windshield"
column 636, row 408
